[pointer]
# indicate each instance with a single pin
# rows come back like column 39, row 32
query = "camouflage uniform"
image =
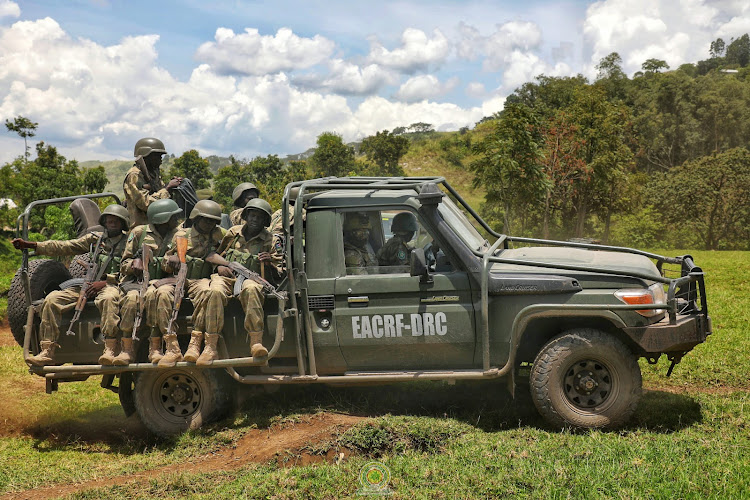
column 235, row 248
column 200, row 246
column 107, row 300
column 138, row 197
column 235, row 216
column 360, row 260
column 139, row 236
column 394, row 253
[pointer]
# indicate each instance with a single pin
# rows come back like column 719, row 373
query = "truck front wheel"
column 172, row 401
column 586, row 378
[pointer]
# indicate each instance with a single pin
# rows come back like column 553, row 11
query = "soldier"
column 142, row 185
column 240, row 196
column 203, row 238
column 358, row 254
column 105, row 249
column 250, row 244
column 396, row 251
column 163, row 222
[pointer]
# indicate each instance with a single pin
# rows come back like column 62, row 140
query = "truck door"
column 388, row 320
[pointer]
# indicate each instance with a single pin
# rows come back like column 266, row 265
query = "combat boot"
column 154, row 350
column 210, row 351
column 110, row 352
column 172, row 352
column 256, row 345
column 126, row 354
column 46, row 356
column 194, row 347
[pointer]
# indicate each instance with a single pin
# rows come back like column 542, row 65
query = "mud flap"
column 126, row 393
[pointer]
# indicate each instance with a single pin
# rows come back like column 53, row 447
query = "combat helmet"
column 148, row 145
column 208, row 209
column 117, row 211
column 261, row 205
column 404, row 222
column 160, row 211
column 355, row 221
column 245, row 186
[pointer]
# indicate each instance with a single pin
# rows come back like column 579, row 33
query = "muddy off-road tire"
column 175, row 400
column 45, row 276
column 79, row 266
column 586, row 378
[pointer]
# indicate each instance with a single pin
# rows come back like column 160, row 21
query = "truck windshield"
column 462, row 227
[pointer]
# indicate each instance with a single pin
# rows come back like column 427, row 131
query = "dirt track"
column 283, row 443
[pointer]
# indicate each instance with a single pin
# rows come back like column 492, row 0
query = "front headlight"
column 651, row 295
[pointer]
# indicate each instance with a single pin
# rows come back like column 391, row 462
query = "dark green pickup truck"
column 571, row 318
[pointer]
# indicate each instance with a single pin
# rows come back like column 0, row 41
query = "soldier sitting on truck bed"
column 240, row 196
column 396, row 251
column 142, row 185
column 358, row 254
column 105, row 249
column 163, row 222
column 203, row 239
column 249, row 244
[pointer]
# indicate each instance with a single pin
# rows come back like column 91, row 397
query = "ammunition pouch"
column 198, row 268
column 155, row 270
column 114, row 264
column 247, row 259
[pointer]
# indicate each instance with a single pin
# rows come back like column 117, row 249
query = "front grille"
column 320, row 302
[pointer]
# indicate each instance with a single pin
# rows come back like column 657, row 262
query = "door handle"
column 359, row 301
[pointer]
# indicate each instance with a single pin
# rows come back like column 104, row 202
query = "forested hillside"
column 661, row 159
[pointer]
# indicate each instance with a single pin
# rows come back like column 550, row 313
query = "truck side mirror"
column 418, row 266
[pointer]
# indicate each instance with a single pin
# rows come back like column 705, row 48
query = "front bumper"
column 687, row 332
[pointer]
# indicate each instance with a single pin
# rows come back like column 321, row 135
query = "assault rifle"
column 92, row 275
column 179, row 286
column 242, row 273
column 146, row 259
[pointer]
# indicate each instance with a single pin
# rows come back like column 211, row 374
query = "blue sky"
column 258, row 77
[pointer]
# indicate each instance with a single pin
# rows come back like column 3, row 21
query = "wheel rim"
column 588, row 384
column 176, row 396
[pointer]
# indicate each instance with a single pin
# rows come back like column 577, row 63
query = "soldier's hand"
column 137, row 265
column 225, row 271
column 95, row 288
column 173, row 262
column 173, row 183
column 20, row 244
column 264, row 257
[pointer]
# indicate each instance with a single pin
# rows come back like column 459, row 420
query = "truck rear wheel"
column 586, row 378
column 45, row 276
column 175, row 400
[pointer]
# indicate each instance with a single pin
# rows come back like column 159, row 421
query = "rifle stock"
column 179, row 287
column 82, row 299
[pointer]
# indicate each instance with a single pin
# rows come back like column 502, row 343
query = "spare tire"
column 79, row 266
column 45, row 276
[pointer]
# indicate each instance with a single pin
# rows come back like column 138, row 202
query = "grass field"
column 690, row 437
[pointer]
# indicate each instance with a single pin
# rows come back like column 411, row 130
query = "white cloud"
column 251, row 53
column 9, row 9
column 422, row 87
column 418, row 51
column 348, row 79
column 476, row 90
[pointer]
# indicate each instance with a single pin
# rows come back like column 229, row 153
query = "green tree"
column 191, row 166
column 509, row 163
column 332, row 157
column 386, row 149
column 24, row 128
column 717, row 48
column 94, row 180
column 709, row 196
column 651, row 66
column 738, row 51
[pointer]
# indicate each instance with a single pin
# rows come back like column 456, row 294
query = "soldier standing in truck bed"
column 143, row 185
column 105, row 248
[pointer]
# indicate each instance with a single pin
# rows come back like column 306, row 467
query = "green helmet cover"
column 206, row 208
column 258, row 204
column 404, row 222
column 245, row 186
column 356, row 220
column 148, row 145
column 118, row 211
column 160, row 211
